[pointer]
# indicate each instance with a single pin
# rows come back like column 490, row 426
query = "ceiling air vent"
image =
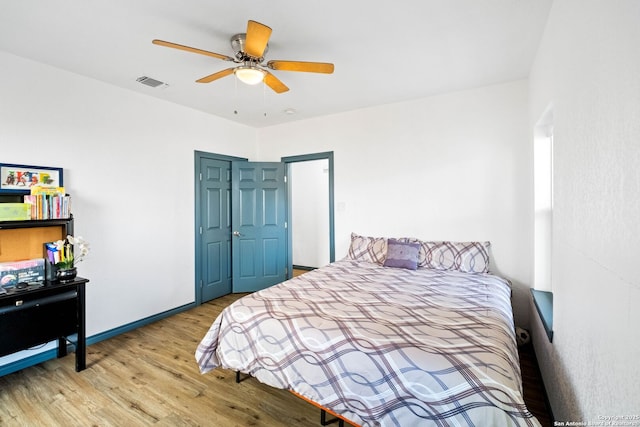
column 150, row 82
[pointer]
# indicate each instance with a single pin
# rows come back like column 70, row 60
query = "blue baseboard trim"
column 137, row 324
column 302, row 267
column 28, row 361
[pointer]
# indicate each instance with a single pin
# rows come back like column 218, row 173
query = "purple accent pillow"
column 402, row 254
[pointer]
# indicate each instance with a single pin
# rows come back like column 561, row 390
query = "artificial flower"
column 70, row 251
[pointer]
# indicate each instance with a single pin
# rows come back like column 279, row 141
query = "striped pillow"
column 369, row 249
column 467, row 257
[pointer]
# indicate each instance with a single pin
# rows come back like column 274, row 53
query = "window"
column 543, row 205
column 543, row 225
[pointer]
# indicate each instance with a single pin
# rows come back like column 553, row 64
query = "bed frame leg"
column 324, row 422
column 239, row 378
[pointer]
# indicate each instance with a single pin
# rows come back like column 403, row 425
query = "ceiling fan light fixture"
column 249, row 75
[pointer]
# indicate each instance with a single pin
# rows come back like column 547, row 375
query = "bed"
column 382, row 345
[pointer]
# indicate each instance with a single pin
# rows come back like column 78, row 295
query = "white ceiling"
column 383, row 52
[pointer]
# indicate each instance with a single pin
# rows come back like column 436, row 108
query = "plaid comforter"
column 381, row 346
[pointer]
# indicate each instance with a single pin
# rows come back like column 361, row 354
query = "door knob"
column 237, row 233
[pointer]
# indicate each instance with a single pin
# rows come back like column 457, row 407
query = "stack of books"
column 48, row 203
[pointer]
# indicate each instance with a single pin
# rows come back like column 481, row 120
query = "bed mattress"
column 381, row 346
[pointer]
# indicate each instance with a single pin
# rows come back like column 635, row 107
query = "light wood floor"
column 148, row 377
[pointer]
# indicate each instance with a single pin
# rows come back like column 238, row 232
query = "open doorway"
column 309, row 196
column 311, row 221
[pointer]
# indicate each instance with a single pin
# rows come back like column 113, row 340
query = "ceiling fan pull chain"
column 235, row 94
column 264, row 98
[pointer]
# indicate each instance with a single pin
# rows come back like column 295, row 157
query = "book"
column 48, row 203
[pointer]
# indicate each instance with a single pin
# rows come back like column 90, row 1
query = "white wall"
column 588, row 68
column 309, row 222
column 451, row 167
column 128, row 163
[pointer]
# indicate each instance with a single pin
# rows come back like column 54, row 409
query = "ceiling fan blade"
column 257, row 38
column 274, row 83
column 192, row 49
column 308, row 67
column 216, row 76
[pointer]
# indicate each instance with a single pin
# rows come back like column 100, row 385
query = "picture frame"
column 18, row 179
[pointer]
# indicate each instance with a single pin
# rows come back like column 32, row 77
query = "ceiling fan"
column 250, row 48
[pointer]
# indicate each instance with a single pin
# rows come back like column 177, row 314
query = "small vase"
column 66, row 275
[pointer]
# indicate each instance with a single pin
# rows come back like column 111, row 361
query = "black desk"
column 37, row 315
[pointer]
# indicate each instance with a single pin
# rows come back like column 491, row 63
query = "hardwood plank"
column 149, row 376
column 534, row 393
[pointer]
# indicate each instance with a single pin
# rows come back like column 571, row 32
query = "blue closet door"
column 215, row 231
column 259, row 236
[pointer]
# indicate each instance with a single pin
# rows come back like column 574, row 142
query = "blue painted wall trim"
column 544, row 304
column 52, row 353
column 27, row 362
column 137, row 324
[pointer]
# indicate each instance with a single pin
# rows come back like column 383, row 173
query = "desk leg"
column 81, row 346
column 62, row 347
